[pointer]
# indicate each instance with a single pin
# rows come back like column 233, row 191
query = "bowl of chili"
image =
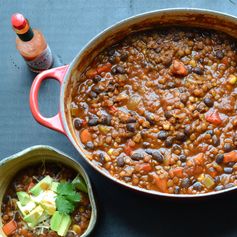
column 150, row 102
column 43, row 189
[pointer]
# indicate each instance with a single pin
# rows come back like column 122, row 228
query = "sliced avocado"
column 43, row 185
column 23, row 197
column 48, row 202
column 60, row 223
column 54, row 186
column 25, row 210
column 64, row 225
column 55, row 221
column 34, row 216
column 80, row 184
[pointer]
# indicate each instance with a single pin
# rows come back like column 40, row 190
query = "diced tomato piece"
column 178, row 68
column 104, row 68
column 213, row 116
column 30, row 186
column 127, row 149
column 225, row 61
column 10, row 227
column 161, row 183
column 85, row 136
column 91, row 73
column 199, row 159
column 145, row 167
column 112, row 109
column 177, row 172
column 230, row 157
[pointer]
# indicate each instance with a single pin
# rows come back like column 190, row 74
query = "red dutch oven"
column 69, row 74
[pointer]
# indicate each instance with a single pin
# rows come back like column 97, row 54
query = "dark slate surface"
column 68, row 25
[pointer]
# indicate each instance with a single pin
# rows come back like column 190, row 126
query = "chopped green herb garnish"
column 67, row 198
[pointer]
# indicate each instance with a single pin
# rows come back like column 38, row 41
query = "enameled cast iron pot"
column 67, row 75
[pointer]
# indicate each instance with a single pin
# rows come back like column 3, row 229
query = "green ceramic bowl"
column 36, row 154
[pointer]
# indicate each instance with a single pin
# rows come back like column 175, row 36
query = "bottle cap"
column 18, row 21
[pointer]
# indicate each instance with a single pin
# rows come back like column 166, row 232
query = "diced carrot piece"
column 161, row 183
column 145, row 167
column 213, row 116
column 178, row 68
column 85, row 136
column 230, row 157
column 177, row 172
column 104, row 68
column 91, row 73
column 10, row 227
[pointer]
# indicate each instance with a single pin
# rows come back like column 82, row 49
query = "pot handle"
column 54, row 122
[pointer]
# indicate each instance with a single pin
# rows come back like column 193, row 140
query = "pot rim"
column 84, row 49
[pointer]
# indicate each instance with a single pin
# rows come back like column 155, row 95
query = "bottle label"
column 42, row 62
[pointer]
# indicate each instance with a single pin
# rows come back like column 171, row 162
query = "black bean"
column 124, row 56
column 228, row 147
column 146, row 144
column 78, row 123
column 150, row 118
column 228, row 170
column 77, row 218
column 137, row 156
column 190, row 35
column 184, row 98
column 131, row 127
column 120, row 161
column 219, row 187
column 197, row 186
column 69, row 234
column 171, row 84
column 97, row 78
column 188, row 130
column 96, row 89
column 162, row 135
column 230, row 185
column 102, row 158
column 92, row 94
column 176, row 38
column 180, row 136
column 169, row 141
column 230, row 164
column 89, row 146
column 157, row 156
column 168, row 114
column 93, row 121
column 105, row 119
column 185, row 183
column 215, row 141
column 118, row 69
column 198, row 70
column 219, row 54
column 176, row 190
column 211, row 132
column 112, row 59
column 219, row 158
column 111, row 52
column 131, row 120
column 208, row 102
column 182, row 158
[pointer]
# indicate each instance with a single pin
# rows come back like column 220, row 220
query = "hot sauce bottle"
column 31, row 44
